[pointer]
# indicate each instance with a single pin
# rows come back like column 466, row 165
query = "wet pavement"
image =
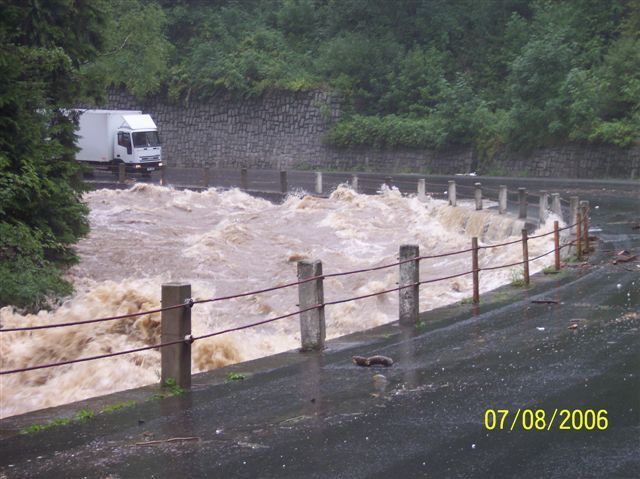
column 319, row 415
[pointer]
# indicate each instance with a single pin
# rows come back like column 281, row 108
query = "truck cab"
column 137, row 144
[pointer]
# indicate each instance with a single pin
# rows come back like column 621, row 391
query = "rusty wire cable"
column 446, row 277
column 91, row 358
column 274, row 288
column 191, row 339
column 265, row 290
column 89, row 321
column 157, row 310
column 259, row 323
column 258, row 291
column 378, row 293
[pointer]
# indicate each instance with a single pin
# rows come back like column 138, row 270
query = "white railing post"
column 478, row 195
column 502, row 199
column 452, row 192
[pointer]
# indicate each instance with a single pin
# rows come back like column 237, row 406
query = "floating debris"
column 372, row 361
column 624, row 256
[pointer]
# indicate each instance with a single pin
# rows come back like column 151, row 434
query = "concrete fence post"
column 543, row 207
column 556, row 206
column 502, row 199
column 478, row 195
column 163, row 175
column 522, row 201
column 578, row 236
column 452, row 192
column 206, row 180
column 244, row 179
column 422, row 189
column 310, row 294
column 354, row 183
column 584, row 211
column 175, row 325
column 525, row 256
column 284, row 185
column 556, row 244
column 574, row 202
column 122, row 172
column 318, row 182
column 389, row 182
column 409, row 277
column 475, row 268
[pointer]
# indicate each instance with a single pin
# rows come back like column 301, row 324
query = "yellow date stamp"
column 542, row 420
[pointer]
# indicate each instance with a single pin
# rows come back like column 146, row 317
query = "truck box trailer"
column 107, row 138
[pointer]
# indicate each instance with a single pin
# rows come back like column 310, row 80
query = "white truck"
column 107, row 138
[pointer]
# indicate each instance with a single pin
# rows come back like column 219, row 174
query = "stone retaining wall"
column 284, row 130
column 574, row 162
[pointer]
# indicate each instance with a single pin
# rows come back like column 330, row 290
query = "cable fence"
column 310, row 285
column 312, row 303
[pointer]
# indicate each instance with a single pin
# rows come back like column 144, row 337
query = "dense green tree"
column 135, row 53
column 41, row 214
column 518, row 72
column 419, row 85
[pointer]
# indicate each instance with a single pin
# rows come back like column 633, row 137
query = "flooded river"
column 226, row 242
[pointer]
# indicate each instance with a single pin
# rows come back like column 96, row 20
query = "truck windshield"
column 143, row 139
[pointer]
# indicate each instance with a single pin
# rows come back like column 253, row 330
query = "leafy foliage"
column 41, row 214
column 169, row 389
column 517, row 72
column 236, row 377
column 136, row 52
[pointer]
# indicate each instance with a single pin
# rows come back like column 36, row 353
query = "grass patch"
column 468, row 300
column 84, row 415
column 169, row 389
column 81, row 415
column 172, row 387
column 236, row 377
column 62, row 421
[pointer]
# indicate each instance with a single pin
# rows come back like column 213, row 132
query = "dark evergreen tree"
column 41, row 214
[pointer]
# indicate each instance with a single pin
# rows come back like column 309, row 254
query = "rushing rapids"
column 226, row 242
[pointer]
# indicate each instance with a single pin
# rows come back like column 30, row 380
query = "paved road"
column 267, row 183
column 318, row 415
